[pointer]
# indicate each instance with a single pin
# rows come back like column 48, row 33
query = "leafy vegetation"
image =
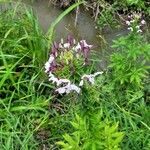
column 79, row 107
column 111, row 13
column 92, row 134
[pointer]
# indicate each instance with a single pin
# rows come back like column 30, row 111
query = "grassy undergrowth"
column 111, row 114
column 22, row 108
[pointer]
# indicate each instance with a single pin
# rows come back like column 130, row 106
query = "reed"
column 50, row 32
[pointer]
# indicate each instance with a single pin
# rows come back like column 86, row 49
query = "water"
column 85, row 28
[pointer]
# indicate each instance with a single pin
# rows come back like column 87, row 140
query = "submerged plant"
column 68, row 62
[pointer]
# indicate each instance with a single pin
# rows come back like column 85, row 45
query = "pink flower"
column 54, row 51
column 59, row 53
column 85, row 49
column 71, row 40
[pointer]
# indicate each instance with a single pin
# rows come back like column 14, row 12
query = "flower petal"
column 61, row 90
column 81, row 83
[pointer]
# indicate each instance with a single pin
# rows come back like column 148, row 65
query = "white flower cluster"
column 65, row 89
column 68, row 87
column 132, row 22
column 59, row 51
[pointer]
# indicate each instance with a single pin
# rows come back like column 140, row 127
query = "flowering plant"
column 68, row 64
column 129, row 62
column 135, row 23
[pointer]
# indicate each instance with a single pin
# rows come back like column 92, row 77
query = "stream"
column 85, row 28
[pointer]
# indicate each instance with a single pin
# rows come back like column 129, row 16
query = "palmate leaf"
column 93, row 145
column 136, row 75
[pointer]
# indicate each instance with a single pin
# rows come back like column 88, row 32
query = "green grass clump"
column 22, row 109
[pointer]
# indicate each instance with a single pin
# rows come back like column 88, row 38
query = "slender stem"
column 58, row 19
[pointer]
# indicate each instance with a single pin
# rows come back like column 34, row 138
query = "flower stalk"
column 71, row 55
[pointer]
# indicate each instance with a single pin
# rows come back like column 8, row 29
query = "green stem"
column 58, row 19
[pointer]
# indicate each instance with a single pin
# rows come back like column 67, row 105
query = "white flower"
column 48, row 63
column 60, row 81
column 68, row 88
column 62, row 40
column 139, row 31
column 98, row 73
column 72, row 87
column 81, row 83
column 57, row 81
column 128, row 23
column 53, row 78
column 61, row 90
column 129, row 16
column 51, row 59
column 131, row 29
column 66, row 45
column 74, row 41
column 89, row 77
column 61, row 45
column 143, row 22
column 47, row 66
column 76, row 48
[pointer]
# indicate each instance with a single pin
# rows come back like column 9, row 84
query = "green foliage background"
column 112, row 114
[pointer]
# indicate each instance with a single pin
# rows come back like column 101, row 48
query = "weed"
column 92, row 134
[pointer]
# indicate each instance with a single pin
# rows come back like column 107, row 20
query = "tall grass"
column 22, row 109
column 25, row 98
column 58, row 19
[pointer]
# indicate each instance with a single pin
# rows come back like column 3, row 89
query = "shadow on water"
column 85, row 28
